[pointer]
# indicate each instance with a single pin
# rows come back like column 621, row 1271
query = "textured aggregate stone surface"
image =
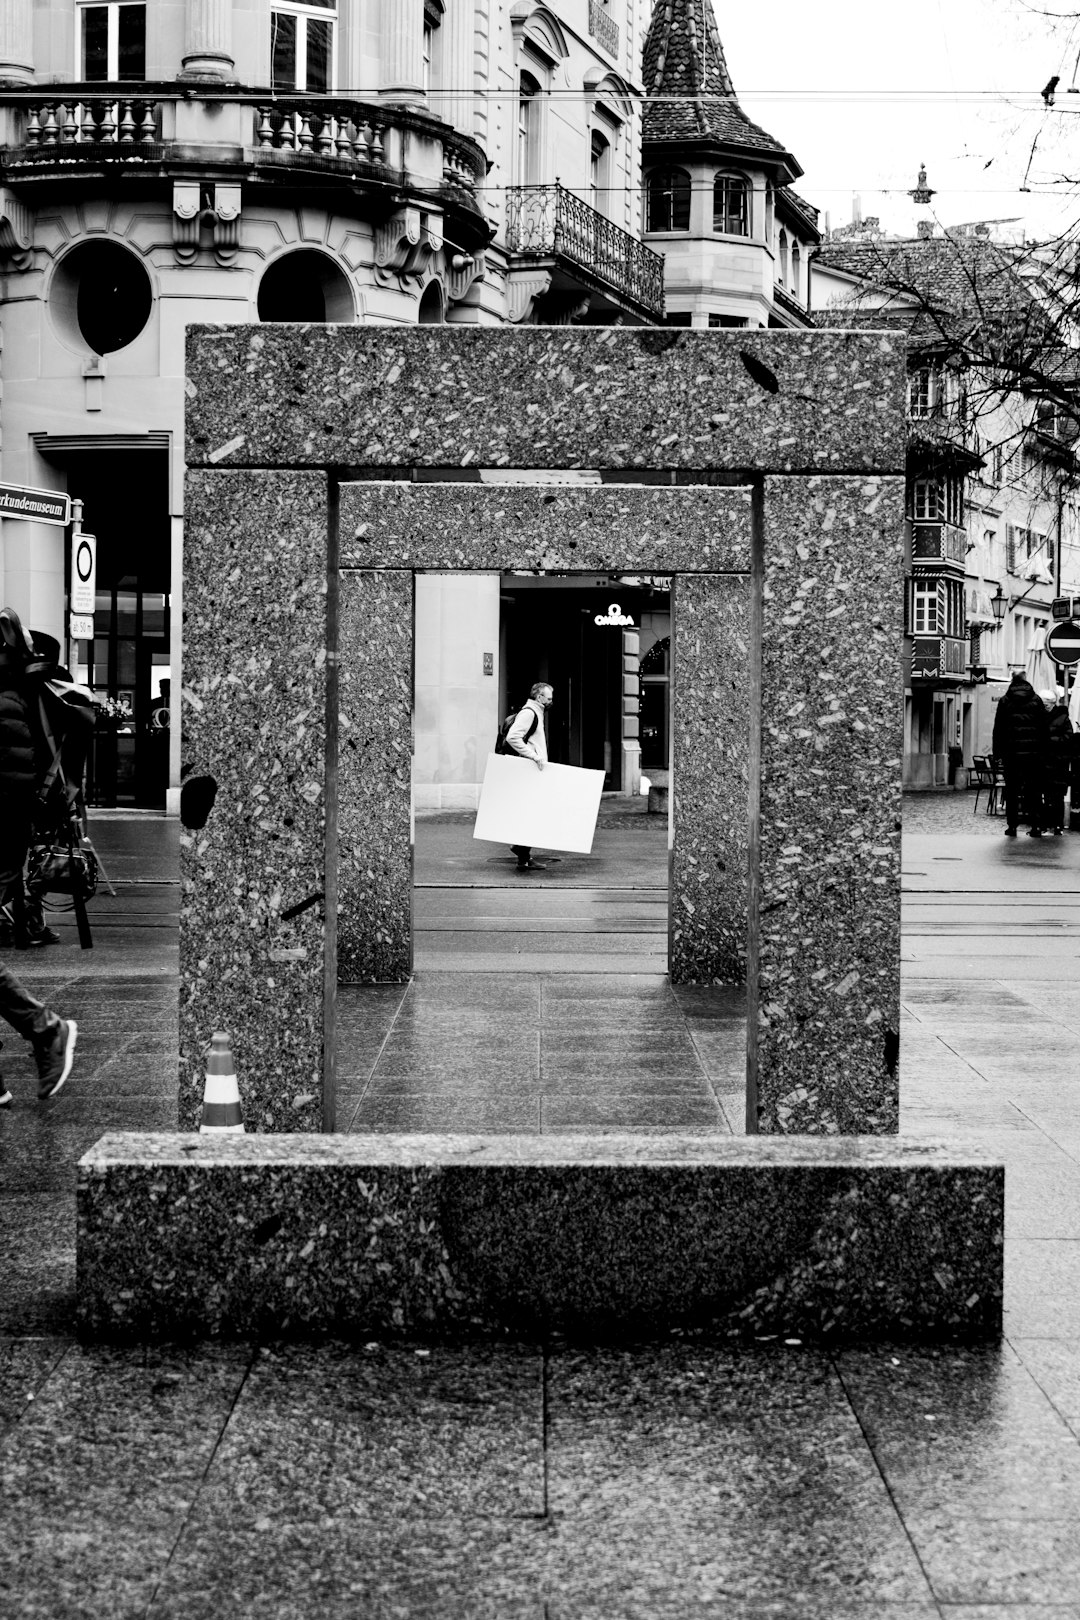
column 414, row 1234
column 364, row 396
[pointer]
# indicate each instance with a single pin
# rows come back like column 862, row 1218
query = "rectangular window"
column 302, row 47
column 112, row 43
column 922, row 392
column 927, row 505
column 938, row 500
column 927, row 609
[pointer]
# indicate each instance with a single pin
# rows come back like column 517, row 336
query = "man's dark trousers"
column 25, row 1015
column 1023, row 792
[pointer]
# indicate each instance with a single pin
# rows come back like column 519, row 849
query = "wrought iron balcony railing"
column 551, row 220
column 601, row 27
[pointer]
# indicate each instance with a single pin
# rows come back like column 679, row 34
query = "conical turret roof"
column 683, row 58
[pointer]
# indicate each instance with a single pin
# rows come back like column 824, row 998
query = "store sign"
column 83, row 573
column 36, row 505
column 614, row 615
column 81, row 626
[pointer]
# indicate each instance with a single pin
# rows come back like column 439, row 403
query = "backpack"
column 504, row 731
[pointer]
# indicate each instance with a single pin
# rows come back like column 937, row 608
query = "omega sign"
column 614, row 615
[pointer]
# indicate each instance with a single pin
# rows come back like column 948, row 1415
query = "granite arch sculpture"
column 766, row 474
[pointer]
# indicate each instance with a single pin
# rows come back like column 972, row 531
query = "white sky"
column 839, row 82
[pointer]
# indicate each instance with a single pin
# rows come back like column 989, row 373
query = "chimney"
column 856, row 209
column 925, row 228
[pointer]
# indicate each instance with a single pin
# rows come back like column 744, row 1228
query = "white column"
column 16, row 42
column 458, row 59
column 209, row 41
column 402, row 35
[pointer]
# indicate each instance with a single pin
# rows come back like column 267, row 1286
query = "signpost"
column 35, row 505
column 81, row 626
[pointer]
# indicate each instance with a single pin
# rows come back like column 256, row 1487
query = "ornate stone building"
column 718, row 199
column 377, row 161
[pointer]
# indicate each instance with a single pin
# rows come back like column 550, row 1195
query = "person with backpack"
column 24, row 764
column 526, row 736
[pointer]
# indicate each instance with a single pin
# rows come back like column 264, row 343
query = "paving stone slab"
column 834, row 1238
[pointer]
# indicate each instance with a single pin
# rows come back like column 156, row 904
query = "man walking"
column 528, row 738
column 22, row 766
column 1021, row 741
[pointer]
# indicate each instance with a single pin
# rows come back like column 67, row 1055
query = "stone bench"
column 428, row 1236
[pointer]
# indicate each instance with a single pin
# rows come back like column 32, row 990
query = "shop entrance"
column 591, row 638
column 127, row 665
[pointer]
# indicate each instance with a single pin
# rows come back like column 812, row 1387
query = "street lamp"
column 998, row 604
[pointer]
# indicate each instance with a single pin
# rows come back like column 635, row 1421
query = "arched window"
column 432, row 306
column 600, row 170
column 669, row 200
column 528, row 132
column 305, row 285
column 796, row 271
column 731, row 212
column 783, row 258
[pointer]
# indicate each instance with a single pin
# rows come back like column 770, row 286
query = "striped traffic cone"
column 221, row 1100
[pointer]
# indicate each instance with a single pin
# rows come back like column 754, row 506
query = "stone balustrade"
column 91, row 121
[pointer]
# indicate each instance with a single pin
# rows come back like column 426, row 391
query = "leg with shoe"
column 525, row 862
column 52, row 1037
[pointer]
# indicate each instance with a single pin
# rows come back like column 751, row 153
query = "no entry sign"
column 1063, row 643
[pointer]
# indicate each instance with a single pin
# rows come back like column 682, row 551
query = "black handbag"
column 63, row 865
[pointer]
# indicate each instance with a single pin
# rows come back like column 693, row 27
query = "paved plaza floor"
column 547, row 1480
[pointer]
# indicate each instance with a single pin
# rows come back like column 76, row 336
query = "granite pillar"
column 711, row 674
column 209, row 41
column 374, row 780
column 255, row 953
column 825, row 893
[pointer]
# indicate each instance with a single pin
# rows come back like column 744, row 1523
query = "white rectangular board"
column 555, row 808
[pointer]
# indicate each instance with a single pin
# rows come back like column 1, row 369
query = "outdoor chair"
column 988, row 774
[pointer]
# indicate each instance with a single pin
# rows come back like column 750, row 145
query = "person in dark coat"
column 1021, row 741
column 22, row 767
column 1059, row 760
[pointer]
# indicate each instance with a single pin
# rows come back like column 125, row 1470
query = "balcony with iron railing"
column 65, row 130
column 602, row 28
column 551, row 222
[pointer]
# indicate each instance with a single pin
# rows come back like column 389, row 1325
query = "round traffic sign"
column 84, row 559
column 1063, row 643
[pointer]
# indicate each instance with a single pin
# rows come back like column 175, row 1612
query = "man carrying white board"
column 528, row 738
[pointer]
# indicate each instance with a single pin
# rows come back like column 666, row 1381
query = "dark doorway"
column 125, row 496
column 584, row 635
